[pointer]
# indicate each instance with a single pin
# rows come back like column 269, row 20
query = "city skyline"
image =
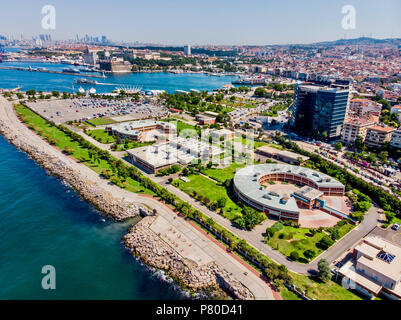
column 223, row 23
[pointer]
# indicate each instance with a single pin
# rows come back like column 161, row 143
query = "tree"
column 325, row 242
column 324, row 270
column 260, row 92
column 383, row 156
column 221, row 203
column 338, row 146
column 309, row 253
column 294, row 255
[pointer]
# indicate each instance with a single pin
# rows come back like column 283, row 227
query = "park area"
column 200, row 186
column 304, row 244
column 73, row 148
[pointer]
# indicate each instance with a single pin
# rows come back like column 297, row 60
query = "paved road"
column 257, row 286
column 256, row 238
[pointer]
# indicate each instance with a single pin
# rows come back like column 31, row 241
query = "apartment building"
column 377, row 135
column 396, row 139
column 354, row 127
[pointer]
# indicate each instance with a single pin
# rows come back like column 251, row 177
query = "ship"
column 86, row 70
column 86, row 81
column 71, row 70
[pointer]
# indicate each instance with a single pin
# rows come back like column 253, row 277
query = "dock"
column 53, row 71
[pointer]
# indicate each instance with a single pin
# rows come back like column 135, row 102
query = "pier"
column 53, row 71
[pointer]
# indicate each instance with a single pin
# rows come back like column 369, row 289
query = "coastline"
column 140, row 240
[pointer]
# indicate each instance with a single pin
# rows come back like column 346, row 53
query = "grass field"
column 46, row 130
column 222, row 175
column 291, row 239
column 288, row 295
column 181, row 125
column 101, row 136
column 100, row 121
column 323, row 291
column 208, row 188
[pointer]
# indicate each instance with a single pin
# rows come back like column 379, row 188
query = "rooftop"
column 247, row 179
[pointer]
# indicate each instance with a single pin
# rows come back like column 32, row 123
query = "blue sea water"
column 44, row 222
column 169, row 82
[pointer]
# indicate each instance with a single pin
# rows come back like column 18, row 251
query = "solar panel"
column 386, row 257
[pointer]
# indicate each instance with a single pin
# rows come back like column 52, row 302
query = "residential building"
column 377, row 135
column 396, row 139
column 187, row 50
column 354, row 127
column 375, row 266
column 319, row 109
column 397, row 110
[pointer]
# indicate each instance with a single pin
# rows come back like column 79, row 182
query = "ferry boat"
column 71, row 70
column 86, row 81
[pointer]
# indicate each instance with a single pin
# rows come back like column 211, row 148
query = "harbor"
column 52, row 71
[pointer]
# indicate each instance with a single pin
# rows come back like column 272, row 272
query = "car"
column 396, row 226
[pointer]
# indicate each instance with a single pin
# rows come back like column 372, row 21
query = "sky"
column 204, row 22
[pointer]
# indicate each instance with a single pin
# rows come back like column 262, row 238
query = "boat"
column 86, row 81
column 86, row 70
column 71, row 70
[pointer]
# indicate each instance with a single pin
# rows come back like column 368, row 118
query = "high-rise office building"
column 187, row 50
column 319, row 111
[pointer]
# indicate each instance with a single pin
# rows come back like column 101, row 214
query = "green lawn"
column 101, row 121
column 46, row 130
column 133, row 145
column 291, row 239
column 181, row 125
column 288, row 295
column 323, row 291
column 207, row 188
column 101, row 136
column 222, row 175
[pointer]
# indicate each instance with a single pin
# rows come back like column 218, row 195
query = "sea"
column 43, row 222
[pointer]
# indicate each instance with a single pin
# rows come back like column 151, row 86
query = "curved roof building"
column 248, row 187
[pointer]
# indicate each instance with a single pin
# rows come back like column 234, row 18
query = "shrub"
column 309, row 253
column 294, row 255
column 325, row 243
column 273, row 229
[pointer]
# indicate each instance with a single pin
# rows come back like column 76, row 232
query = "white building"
column 187, row 50
column 396, row 139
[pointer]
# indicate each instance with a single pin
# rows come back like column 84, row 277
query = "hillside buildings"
column 319, row 110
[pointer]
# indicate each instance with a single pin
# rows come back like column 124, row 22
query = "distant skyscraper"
column 104, row 39
column 319, row 111
column 187, row 50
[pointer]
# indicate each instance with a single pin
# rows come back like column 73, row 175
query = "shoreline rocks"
column 151, row 249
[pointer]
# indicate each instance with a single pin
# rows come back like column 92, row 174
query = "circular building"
column 248, row 187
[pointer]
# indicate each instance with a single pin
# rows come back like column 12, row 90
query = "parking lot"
column 61, row 111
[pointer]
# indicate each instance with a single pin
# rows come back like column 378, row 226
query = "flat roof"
column 371, row 247
column 283, row 153
column 133, row 127
column 309, row 192
column 246, row 181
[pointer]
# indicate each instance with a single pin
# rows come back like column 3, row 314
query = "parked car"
column 396, row 226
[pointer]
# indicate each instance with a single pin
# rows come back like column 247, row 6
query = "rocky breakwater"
column 117, row 208
column 151, row 249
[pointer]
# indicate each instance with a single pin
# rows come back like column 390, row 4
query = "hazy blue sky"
column 204, row 21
